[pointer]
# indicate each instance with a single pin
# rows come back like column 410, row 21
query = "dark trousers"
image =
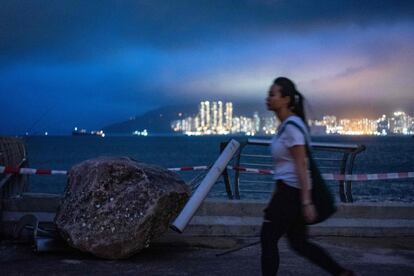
column 283, row 215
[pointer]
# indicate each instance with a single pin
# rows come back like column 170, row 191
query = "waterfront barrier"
column 12, row 154
column 326, row 176
column 334, row 158
column 231, row 217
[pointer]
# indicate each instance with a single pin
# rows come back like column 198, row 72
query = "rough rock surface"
column 114, row 207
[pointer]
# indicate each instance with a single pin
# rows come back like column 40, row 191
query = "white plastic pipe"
column 206, row 184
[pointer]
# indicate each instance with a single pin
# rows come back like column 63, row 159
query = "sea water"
column 382, row 155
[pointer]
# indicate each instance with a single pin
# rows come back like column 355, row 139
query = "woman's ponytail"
column 296, row 103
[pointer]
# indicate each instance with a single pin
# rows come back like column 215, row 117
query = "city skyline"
column 209, row 121
column 220, row 121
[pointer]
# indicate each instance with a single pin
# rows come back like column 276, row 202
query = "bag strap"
column 305, row 134
column 290, row 122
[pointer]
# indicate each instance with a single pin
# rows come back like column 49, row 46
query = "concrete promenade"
column 367, row 256
column 237, row 218
column 370, row 238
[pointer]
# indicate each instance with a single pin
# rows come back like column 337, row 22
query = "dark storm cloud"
column 94, row 62
column 86, row 29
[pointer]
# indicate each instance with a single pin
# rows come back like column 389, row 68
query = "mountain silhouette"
column 159, row 120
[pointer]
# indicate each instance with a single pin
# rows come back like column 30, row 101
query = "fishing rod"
column 46, row 112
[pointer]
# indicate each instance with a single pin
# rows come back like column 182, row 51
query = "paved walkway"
column 375, row 256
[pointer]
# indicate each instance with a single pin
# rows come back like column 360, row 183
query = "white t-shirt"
column 283, row 162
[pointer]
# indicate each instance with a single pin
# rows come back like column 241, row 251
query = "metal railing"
column 12, row 152
column 255, row 153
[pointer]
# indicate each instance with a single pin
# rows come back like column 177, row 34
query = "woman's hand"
column 309, row 213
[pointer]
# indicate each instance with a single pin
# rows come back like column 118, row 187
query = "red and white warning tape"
column 331, row 176
column 366, row 177
column 196, row 168
column 326, row 176
column 250, row 170
column 15, row 170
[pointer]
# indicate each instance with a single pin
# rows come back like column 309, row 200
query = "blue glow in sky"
column 91, row 63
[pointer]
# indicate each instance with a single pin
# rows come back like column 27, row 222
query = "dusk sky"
column 92, row 63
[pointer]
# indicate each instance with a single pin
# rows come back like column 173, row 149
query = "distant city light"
column 84, row 132
column 216, row 118
column 140, row 133
column 212, row 119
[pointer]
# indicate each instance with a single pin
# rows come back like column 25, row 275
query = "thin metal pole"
column 205, row 186
column 237, row 249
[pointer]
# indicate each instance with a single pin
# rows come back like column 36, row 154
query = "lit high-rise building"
column 330, row 123
column 176, row 125
column 220, row 116
column 383, row 126
column 399, row 123
column 236, row 125
column 256, row 122
column 197, row 123
column 229, row 116
column 202, row 115
column 188, row 124
column 270, row 125
column 207, row 114
column 411, row 126
column 214, row 113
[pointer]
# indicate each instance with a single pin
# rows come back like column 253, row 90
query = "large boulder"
column 114, row 207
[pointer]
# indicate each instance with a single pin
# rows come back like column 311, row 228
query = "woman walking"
column 291, row 206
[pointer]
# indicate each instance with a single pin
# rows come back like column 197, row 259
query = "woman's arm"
column 298, row 153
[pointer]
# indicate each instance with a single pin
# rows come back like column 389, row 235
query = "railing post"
column 342, row 190
column 348, row 183
column 13, row 153
column 237, row 172
column 226, row 176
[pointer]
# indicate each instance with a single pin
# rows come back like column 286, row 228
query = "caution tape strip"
column 182, row 169
column 326, row 176
column 347, row 177
column 16, row 170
